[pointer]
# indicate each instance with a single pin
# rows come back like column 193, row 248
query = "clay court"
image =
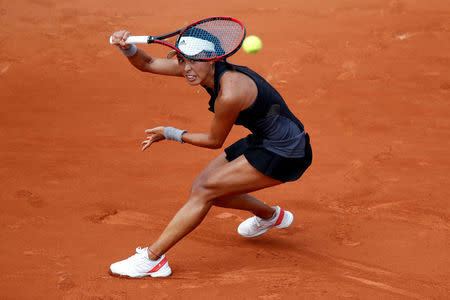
column 369, row 79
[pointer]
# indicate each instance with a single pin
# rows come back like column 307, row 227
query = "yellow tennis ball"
column 252, row 44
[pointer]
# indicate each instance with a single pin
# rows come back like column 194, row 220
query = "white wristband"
column 130, row 51
column 174, row 134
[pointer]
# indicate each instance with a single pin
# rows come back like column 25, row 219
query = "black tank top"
column 273, row 125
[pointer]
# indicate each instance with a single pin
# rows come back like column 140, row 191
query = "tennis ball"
column 252, row 44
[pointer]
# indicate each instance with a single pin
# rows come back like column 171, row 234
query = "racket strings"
column 215, row 38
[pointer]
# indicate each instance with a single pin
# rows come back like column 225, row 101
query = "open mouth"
column 191, row 77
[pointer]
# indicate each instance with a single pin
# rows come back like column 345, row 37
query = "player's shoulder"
column 237, row 90
column 233, row 75
column 234, row 83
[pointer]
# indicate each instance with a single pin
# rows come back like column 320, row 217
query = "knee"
column 203, row 190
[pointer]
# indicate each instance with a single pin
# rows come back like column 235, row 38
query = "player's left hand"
column 155, row 135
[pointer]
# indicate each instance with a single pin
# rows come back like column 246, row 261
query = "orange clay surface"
column 369, row 79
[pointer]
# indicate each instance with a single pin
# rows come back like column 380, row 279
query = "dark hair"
column 228, row 65
column 204, row 35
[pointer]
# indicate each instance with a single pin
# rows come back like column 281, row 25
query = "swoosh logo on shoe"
column 159, row 265
column 280, row 217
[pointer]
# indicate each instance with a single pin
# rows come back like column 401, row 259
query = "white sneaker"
column 139, row 265
column 255, row 226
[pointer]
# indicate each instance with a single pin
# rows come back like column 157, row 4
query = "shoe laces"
column 262, row 223
column 258, row 222
column 140, row 253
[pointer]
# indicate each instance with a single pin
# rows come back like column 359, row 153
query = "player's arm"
column 226, row 112
column 237, row 93
column 144, row 62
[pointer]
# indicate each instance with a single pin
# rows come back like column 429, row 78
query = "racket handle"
column 143, row 39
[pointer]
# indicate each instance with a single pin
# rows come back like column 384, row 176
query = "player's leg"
column 221, row 180
column 234, row 178
column 246, row 202
column 243, row 201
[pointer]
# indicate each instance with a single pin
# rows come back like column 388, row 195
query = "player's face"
column 196, row 72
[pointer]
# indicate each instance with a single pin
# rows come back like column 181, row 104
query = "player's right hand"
column 118, row 38
column 155, row 135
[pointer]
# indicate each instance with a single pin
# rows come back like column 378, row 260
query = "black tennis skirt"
column 270, row 164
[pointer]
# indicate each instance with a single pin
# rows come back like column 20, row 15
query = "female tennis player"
column 277, row 151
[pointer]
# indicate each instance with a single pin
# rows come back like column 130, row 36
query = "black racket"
column 205, row 40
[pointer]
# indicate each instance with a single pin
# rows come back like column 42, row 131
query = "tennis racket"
column 205, row 40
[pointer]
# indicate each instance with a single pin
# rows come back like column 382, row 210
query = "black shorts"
column 269, row 163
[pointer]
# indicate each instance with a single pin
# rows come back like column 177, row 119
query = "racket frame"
column 159, row 38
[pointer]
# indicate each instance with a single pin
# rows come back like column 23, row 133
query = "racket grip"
column 143, row 39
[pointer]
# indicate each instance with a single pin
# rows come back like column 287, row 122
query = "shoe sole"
column 255, row 235
column 285, row 223
column 163, row 272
